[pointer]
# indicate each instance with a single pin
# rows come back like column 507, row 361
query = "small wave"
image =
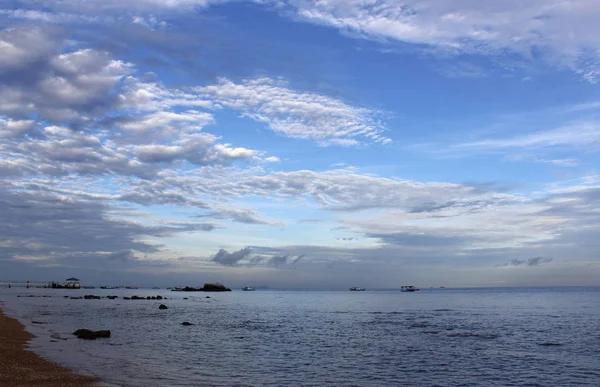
column 476, row 335
column 549, row 344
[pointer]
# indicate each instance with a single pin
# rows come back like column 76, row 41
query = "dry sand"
column 20, row 367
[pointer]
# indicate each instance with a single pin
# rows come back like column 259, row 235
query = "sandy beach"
column 20, row 367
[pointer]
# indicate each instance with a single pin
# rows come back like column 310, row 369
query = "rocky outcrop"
column 87, row 334
column 215, row 287
column 163, row 306
column 208, row 287
column 112, row 297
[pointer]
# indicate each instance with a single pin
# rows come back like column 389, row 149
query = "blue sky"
column 300, row 144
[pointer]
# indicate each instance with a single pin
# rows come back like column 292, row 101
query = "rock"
column 186, row 323
column 91, row 297
column 86, row 334
column 163, row 306
column 112, row 297
column 550, row 344
column 207, row 296
column 138, row 298
column 127, row 298
column 185, row 298
column 38, row 322
column 154, row 297
column 76, row 298
column 159, row 297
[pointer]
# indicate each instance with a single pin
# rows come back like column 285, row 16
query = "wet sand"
column 20, row 367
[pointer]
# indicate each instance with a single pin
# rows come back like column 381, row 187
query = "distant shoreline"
column 20, row 367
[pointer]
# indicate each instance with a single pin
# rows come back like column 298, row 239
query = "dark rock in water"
column 163, row 306
column 38, row 322
column 76, row 298
column 216, row 287
column 550, row 344
column 127, row 298
column 207, row 296
column 154, row 298
column 91, row 297
column 138, row 298
column 148, row 298
column 159, row 297
column 186, row 323
column 86, row 334
column 112, row 297
column 63, row 296
column 185, row 298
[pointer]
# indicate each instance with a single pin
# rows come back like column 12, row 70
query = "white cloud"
column 296, row 114
column 585, row 135
column 563, row 33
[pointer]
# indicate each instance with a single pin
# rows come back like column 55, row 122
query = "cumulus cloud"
column 231, row 259
column 65, row 87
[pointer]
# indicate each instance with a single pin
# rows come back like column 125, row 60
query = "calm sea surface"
column 437, row 337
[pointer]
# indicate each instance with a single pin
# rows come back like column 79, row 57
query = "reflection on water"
column 492, row 337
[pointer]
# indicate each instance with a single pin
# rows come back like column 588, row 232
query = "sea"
column 435, row 337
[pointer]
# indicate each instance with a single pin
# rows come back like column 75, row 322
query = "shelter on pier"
column 70, row 283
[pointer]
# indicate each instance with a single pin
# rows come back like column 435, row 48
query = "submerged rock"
column 549, row 344
column 87, row 334
column 91, row 297
column 163, row 306
column 186, row 323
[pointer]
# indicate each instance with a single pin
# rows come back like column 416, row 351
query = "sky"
column 300, row 144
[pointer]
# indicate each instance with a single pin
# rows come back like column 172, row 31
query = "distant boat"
column 409, row 288
column 107, row 287
column 248, row 289
column 357, row 289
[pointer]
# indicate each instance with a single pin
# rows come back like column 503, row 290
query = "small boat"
column 409, row 288
column 357, row 289
column 248, row 289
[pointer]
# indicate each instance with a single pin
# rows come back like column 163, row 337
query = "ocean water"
column 436, row 337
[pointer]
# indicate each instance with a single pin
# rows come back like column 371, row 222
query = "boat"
column 107, row 287
column 248, row 289
column 357, row 289
column 409, row 288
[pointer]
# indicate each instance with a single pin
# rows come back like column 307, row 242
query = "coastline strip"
column 20, row 367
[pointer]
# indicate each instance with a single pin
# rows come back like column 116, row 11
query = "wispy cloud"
column 463, row 26
column 296, row 114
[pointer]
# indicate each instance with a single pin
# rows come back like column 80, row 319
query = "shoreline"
column 20, row 367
